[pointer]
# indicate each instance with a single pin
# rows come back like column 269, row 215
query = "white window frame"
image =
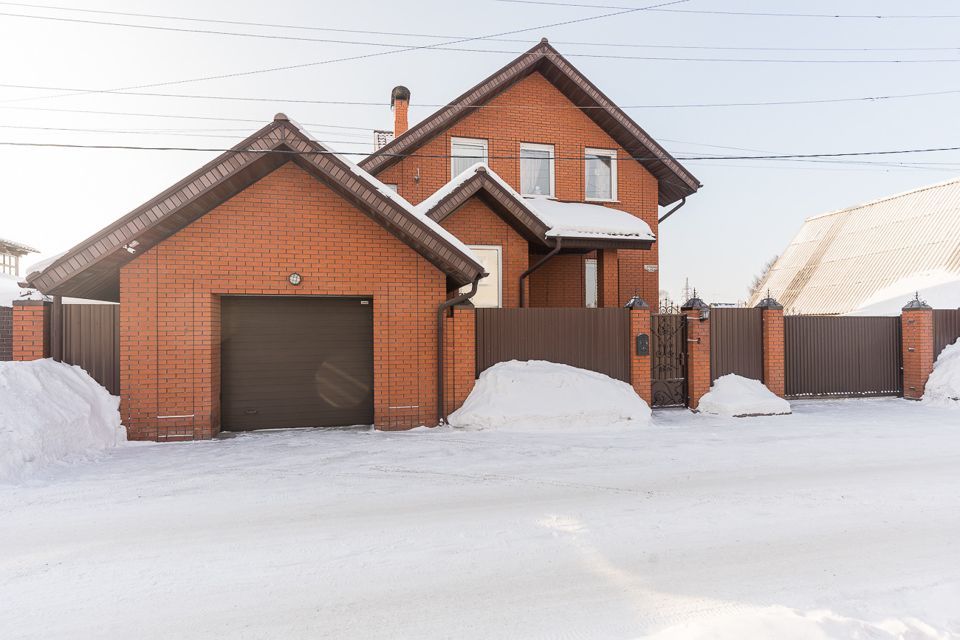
column 536, row 146
column 474, row 142
column 587, row 263
column 499, row 249
column 610, row 153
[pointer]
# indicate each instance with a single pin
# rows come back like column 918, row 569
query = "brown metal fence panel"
column 946, row 328
column 843, row 356
column 91, row 339
column 736, row 343
column 594, row 339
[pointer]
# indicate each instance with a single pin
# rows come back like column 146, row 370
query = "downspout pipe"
column 441, row 310
column 540, row 263
column 682, row 202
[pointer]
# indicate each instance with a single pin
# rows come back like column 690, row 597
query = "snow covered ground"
column 838, row 521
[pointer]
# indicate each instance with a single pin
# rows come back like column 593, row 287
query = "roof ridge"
column 894, row 196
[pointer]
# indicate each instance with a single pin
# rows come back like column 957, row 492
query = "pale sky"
column 746, row 212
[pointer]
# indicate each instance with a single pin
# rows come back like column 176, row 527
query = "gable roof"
column 92, row 268
column 16, row 247
column 839, row 261
column 675, row 182
column 540, row 220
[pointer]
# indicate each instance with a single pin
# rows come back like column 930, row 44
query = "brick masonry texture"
column 532, row 110
column 476, row 224
column 640, row 372
column 918, row 357
column 31, row 330
column 698, row 357
column 774, row 364
column 287, row 222
column 459, row 352
column 6, row 333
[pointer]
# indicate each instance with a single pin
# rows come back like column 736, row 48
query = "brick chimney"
column 399, row 102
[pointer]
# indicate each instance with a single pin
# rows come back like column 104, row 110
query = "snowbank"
column 549, row 395
column 943, row 386
column 52, row 413
column 733, row 395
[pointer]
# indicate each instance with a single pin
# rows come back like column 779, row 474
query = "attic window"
column 536, row 169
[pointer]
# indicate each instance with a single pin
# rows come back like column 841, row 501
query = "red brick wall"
column 31, row 330
column 558, row 283
column 640, row 372
column 918, row 357
column 286, row 222
column 698, row 357
column 533, row 110
column 475, row 223
column 774, row 365
column 459, row 352
column 608, row 279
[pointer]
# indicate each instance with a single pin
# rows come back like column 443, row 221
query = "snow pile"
column 545, row 394
column 943, row 385
column 52, row 412
column 733, row 395
column 789, row 624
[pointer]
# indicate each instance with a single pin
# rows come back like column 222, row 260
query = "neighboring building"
column 282, row 285
column 10, row 254
column 871, row 258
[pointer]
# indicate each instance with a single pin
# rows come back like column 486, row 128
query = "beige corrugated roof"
column 838, row 260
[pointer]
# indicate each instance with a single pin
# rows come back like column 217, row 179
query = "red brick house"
column 530, row 189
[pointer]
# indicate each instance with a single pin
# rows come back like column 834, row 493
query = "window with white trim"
column 465, row 153
column 536, row 169
column 9, row 264
column 489, row 290
column 590, row 282
column 600, row 182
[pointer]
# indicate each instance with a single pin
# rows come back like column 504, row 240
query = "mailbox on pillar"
column 643, row 344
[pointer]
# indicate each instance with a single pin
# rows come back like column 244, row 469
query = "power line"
column 377, row 103
column 364, row 56
column 793, row 156
column 186, row 134
column 401, row 45
column 768, row 14
column 445, row 47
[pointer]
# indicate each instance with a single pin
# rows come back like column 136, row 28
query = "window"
column 8, row 264
column 466, row 152
column 489, row 290
column 590, row 281
column 536, row 169
column 601, row 174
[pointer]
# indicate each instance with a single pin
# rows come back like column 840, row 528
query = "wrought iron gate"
column 669, row 362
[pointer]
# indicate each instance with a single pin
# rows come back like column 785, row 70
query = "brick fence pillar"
column 774, row 365
column 916, row 324
column 31, row 329
column 460, row 356
column 640, row 372
column 698, row 350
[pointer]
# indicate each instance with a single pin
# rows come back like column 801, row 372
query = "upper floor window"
column 466, row 152
column 601, row 174
column 536, row 169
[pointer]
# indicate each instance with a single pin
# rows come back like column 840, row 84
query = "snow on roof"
column 585, row 220
column 565, row 219
column 839, row 261
column 11, row 290
column 18, row 246
column 939, row 289
column 396, row 197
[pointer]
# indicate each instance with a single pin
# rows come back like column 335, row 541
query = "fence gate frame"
column 668, row 362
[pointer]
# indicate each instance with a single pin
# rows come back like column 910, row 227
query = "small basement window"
column 601, row 175
column 466, row 152
column 536, row 169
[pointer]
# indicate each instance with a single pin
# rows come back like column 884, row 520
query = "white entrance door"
column 490, row 290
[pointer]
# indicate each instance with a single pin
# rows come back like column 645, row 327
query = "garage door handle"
column 250, row 412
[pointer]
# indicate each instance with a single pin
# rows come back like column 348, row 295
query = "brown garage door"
column 296, row 362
